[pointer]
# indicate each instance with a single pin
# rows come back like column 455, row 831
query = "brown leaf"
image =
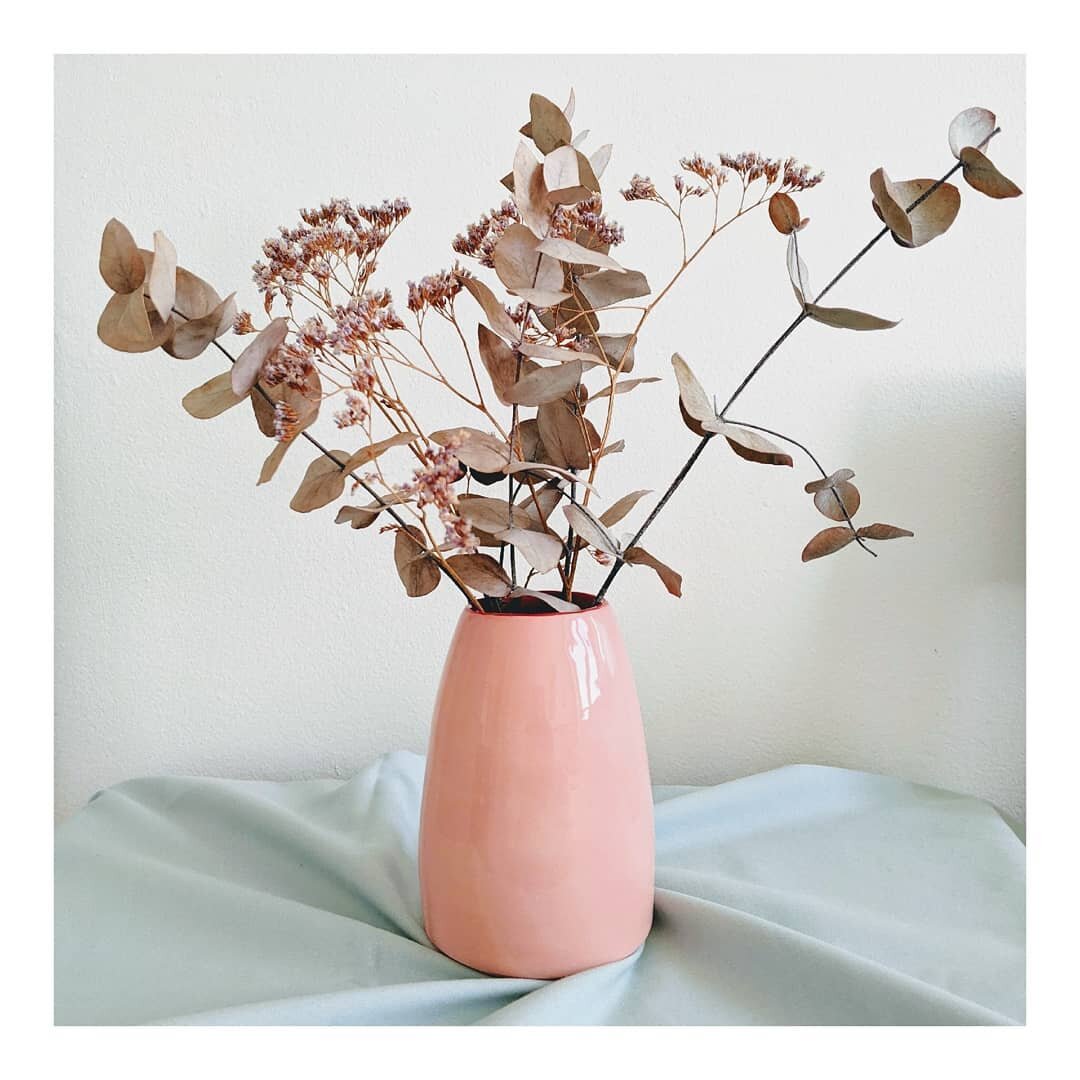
column 783, row 213
column 603, row 288
column 932, row 216
column 360, row 517
column 530, row 195
column 481, row 572
column 618, row 510
column 888, row 206
column 972, row 127
column 161, row 278
column 499, row 361
column 566, row 445
column 569, row 252
column 796, row 268
column 546, row 384
column 273, row 460
column 558, row 353
column 837, row 498
column 616, row 447
column 189, row 339
column 548, row 126
column 563, row 176
column 540, row 505
column 305, row 403
column 323, row 482
column 879, row 531
column 571, row 104
column 194, row 297
column 536, row 278
column 982, row 174
column 590, row 528
column 618, row 348
column 544, row 471
column 212, row 398
column 477, row 449
column 814, row 486
column 249, row 364
column 419, row 574
column 491, row 515
column 120, row 263
column 125, row 324
column 376, row 449
column 541, row 550
column 638, row 556
column 748, row 444
column 624, row 386
column 827, row 541
column 847, row 319
column 695, row 403
column 573, row 314
column 496, row 314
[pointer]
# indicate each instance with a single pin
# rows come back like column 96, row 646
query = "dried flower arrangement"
column 334, row 336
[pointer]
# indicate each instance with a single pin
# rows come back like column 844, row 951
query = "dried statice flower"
column 286, row 422
column 292, row 364
column 355, row 411
column 640, row 188
column 434, row 291
column 432, row 485
column 242, row 324
column 799, row 177
column 360, row 320
column 479, row 239
column 712, row 174
column 587, row 216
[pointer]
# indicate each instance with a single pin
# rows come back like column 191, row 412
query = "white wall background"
column 203, row 627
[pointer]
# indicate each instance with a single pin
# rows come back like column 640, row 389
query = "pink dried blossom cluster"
column 479, row 239
column 434, row 291
column 432, row 485
column 640, row 188
column 356, row 410
column 587, row 216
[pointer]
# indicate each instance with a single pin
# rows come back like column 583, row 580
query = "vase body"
column 536, row 831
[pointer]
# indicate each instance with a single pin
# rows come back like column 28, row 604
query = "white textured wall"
column 203, row 627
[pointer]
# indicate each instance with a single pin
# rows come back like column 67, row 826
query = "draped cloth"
column 804, row 895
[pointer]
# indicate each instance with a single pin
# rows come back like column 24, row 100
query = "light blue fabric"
column 806, row 895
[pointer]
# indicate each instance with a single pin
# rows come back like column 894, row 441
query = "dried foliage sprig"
column 541, row 432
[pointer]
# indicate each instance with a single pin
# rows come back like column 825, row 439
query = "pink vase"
column 536, row 833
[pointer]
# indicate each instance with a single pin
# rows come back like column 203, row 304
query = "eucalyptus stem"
column 753, row 372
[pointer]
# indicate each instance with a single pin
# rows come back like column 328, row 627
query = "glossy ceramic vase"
column 536, row 833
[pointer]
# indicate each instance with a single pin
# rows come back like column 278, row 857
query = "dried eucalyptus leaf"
column 360, row 517
column 491, row 515
column 624, row 386
column 541, row 550
column 212, row 398
column 748, row 444
column 540, row 504
column 888, row 205
column 837, row 498
column 190, row 339
column 616, row 447
column 546, row 471
column 618, row 510
column 972, row 127
column 249, row 364
column 305, row 403
column 419, row 574
column 161, row 279
column 556, row 603
column 530, row 195
column 566, row 444
column 477, row 449
column 692, row 397
column 561, row 354
column 784, row 213
column 119, row 262
column 982, row 174
column 796, row 268
column 931, row 217
column 499, row 361
column 638, row 556
column 814, row 486
column 847, row 319
column 546, row 384
column 827, row 541
column 548, row 126
column 377, row 449
column 600, row 158
column 125, row 324
column 606, row 287
column 563, row 179
column 571, row 104
column 481, row 572
column 590, row 528
column 496, row 314
column 569, row 252
column 618, row 350
column 323, row 482
column 534, row 277
column 879, row 531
